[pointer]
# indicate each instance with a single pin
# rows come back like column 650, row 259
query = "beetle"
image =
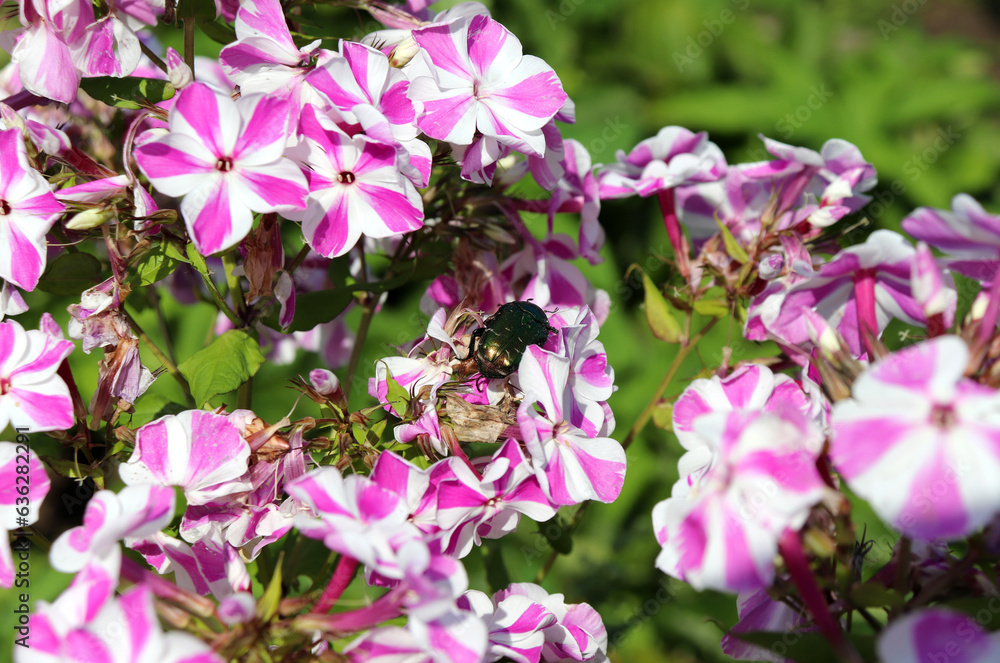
column 499, row 344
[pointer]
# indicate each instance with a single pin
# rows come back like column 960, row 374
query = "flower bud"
column 403, row 52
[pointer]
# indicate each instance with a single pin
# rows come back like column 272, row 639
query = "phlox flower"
column 937, row 634
column 579, row 187
column 27, row 212
column 199, row 451
column 720, row 528
column 18, row 509
column 460, row 637
column 226, row 158
column 50, row 51
column 114, row 629
column 490, row 507
column 354, row 187
column 211, row 565
column 863, row 286
column 759, row 612
column 516, row 624
column 749, row 387
column 800, row 187
column 578, row 633
column 673, row 157
column 474, row 77
column 264, row 59
column 570, row 465
column 112, row 46
column 921, row 442
column 135, row 511
column 968, row 235
column 355, row 517
column 32, row 395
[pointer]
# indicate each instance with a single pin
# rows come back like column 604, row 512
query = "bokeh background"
column 913, row 83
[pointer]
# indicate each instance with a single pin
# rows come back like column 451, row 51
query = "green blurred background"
column 913, row 84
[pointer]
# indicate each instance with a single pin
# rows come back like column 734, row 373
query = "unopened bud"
column 91, row 218
column 177, row 70
column 404, row 51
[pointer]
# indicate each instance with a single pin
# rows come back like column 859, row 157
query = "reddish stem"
column 790, row 547
column 864, row 298
column 164, row 589
column 674, row 232
column 342, row 577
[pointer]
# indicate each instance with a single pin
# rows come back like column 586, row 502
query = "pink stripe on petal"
column 331, row 233
column 442, row 45
column 486, row 41
column 43, row 411
column 392, row 210
column 27, row 259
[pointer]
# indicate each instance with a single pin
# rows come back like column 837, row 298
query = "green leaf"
column 733, row 248
column 71, row 274
column 127, row 92
column 66, row 467
column 399, row 398
column 223, row 366
column 158, row 263
column 267, row 607
column 665, row 327
column 218, row 32
column 712, row 308
column 314, row 308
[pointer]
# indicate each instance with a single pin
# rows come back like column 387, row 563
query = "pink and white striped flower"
column 114, row 629
column 461, row 638
column 672, row 157
column 578, row 633
column 354, row 187
column 32, row 395
column 516, row 625
column 136, row 511
column 20, row 499
column 749, row 387
column 865, row 285
column 226, row 158
column 50, row 51
column 967, row 234
column 199, row 451
column 570, row 465
column 211, row 565
column 937, row 634
column 921, row 442
column 492, row 506
column 27, row 212
column 475, row 78
column 355, row 517
column 759, row 612
column 265, row 60
column 720, row 528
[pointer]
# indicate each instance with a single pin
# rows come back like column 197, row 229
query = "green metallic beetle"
column 500, row 343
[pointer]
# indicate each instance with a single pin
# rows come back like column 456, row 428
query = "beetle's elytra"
column 500, row 343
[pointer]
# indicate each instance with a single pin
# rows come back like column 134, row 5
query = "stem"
column 342, row 577
column 681, row 355
column 864, row 298
column 233, row 282
column 189, row 42
column 161, row 357
column 298, row 260
column 674, row 232
column 244, row 395
column 153, row 57
column 367, row 312
column 198, row 262
column 790, row 548
column 154, row 299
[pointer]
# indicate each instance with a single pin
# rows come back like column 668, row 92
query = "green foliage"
column 223, row 366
